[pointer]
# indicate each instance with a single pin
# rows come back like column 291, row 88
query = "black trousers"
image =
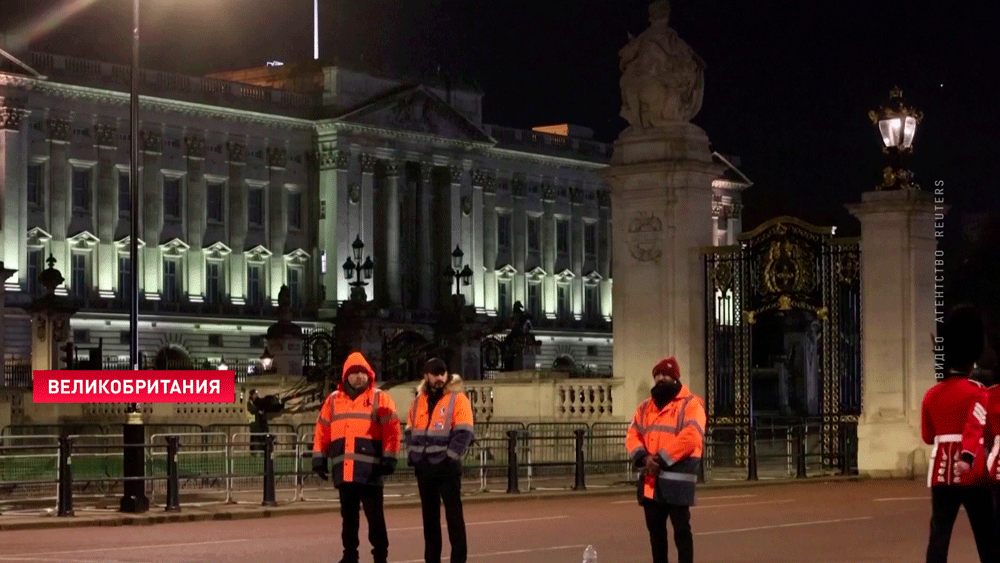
column 945, row 502
column 656, row 522
column 437, row 484
column 352, row 497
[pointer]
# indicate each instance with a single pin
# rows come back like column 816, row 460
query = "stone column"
column 549, row 250
column 519, row 242
column 333, row 170
column 196, row 217
column 661, row 186
column 59, row 202
column 277, row 219
column 394, row 284
column 898, row 282
column 12, row 195
column 604, row 251
column 426, row 252
column 576, row 198
column 236, row 157
column 106, row 258
column 477, row 240
column 484, row 188
column 152, row 213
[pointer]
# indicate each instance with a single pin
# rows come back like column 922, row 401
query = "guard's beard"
column 664, row 392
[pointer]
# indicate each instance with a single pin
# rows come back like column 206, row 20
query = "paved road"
column 844, row 522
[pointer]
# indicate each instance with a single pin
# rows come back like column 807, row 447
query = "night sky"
column 789, row 83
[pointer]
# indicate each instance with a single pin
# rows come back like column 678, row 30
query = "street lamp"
column 897, row 123
column 354, row 268
column 462, row 276
column 266, row 360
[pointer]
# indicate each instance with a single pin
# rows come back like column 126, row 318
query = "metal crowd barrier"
column 216, row 464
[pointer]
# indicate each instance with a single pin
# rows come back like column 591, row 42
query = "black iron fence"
column 64, row 465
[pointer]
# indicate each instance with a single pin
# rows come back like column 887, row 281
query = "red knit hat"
column 668, row 366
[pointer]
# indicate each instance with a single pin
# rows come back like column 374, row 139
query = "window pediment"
column 83, row 240
column 124, row 245
column 175, row 247
column 593, row 278
column 37, row 238
column 297, row 257
column 565, row 276
column 257, row 255
column 217, row 251
column 536, row 274
column 506, row 272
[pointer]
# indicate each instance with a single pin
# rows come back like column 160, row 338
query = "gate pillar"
column 898, row 304
column 661, row 201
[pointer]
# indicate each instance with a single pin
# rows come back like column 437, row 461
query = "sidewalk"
column 252, row 509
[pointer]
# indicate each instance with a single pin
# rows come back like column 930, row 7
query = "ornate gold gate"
column 784, row 273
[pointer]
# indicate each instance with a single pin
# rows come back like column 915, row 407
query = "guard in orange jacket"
column 953, row 416
column 438, row 431
column 358, row 427
column 666, row 440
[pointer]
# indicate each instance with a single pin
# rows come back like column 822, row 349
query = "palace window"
column 171, row 280
column 592, row 302
column 295, row 210
column 590, row 241
column 503, row 231
column 124, row 276
column 36, row 264
column 216, row 202
column 503, row 298
column 172, row 198
column 255, row 285
column 295, row 287
column 81, row 189
column 36, row 183
column 535, row 300
column 213, row 282
column 255, row 206
column 534, row 236
column 124, row 195
column 78, row 275
column 564, row 309
column 562, row 237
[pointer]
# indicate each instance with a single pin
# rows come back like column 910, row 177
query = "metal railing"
column 227, row 464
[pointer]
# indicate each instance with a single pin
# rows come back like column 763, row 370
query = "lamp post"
column 354, row 268
column 462, row 276
column 897, row 123
column 134, row 433
column 266, row 360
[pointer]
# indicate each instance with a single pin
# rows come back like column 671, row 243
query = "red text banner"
column 127, row 386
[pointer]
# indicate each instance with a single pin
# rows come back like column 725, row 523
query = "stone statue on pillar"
column 284, row 338
column 50, row 316
column 663, row 79
column 661, row 176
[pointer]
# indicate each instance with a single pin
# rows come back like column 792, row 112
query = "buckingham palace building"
column 256, row 179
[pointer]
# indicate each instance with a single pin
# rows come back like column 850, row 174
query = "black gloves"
column 319, row 468
column 387, row 466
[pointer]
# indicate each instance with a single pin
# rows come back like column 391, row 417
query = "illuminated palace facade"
column 260, row 178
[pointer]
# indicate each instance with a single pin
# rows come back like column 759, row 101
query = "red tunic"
column 952, row 419
column 992, row 433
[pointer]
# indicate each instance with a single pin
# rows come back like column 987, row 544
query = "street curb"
column 323, row 507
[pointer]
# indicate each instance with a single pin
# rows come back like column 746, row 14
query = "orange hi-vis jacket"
column 992, row 433
column 446, row 433
column 676, row 433
column 358, row 434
